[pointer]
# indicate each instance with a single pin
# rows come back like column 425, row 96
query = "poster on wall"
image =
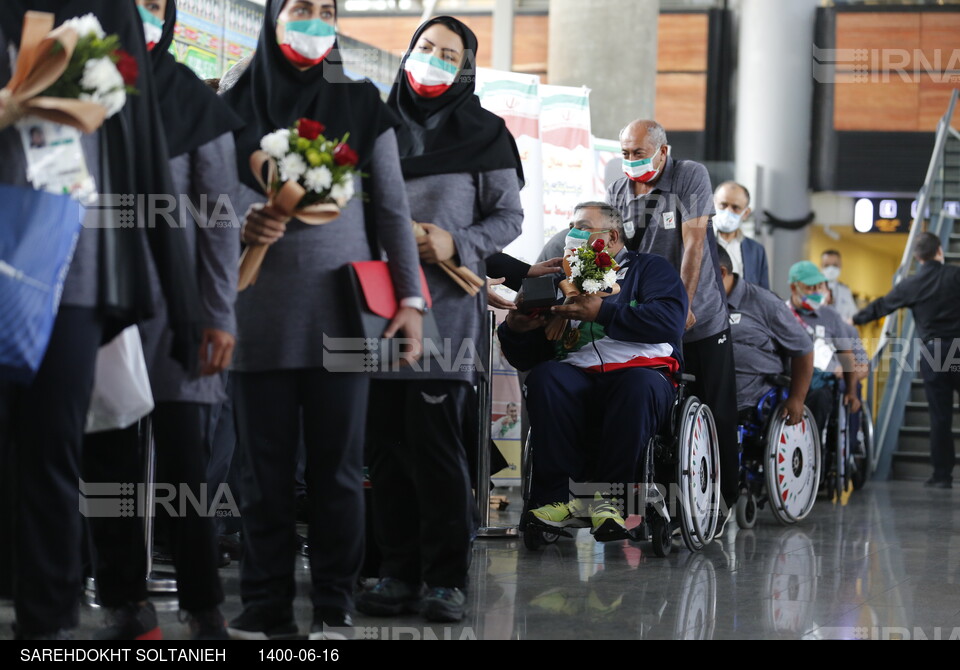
column 515, row 98
column 505, row 429
column 568, row 156
column 212, row 35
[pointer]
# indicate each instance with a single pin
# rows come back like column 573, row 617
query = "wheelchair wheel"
column 697, row 609
column 746, row 510
column 862, row 456
column 662, row 539
column 535, row 537
column 792, row 466
column 526, row 463
column 698, row 474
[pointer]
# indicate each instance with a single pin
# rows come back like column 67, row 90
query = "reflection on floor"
column 885, row 565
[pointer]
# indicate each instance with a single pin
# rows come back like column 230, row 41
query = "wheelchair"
column 779, row 464
column 848, row 448
column 681, row 464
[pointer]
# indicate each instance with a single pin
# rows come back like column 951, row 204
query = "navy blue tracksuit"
column 591, row 421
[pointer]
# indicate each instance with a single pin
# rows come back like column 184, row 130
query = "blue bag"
column 38, row 234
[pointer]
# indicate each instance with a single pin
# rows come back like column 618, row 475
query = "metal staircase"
column 902, row 420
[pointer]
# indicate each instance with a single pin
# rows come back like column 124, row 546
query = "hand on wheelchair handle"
column 852, row 402
column 793, row 410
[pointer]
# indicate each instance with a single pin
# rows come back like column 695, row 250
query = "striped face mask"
column 428, row 75
column 307, row 43
column 641, row 170
column 152, row 27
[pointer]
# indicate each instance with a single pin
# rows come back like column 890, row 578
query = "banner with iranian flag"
column 568, row 156
column 515, row 98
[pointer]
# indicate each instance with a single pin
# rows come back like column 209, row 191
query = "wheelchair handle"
column 782, row 381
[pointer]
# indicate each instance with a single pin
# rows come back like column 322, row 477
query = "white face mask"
column 430, row 76
column 576, row 238
column 726, row 221
column 642, row 170
column 831, row 272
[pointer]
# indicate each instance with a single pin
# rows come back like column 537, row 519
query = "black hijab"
column 272, row 94
column 452, row 132
column 134, row 160
column 192, row 113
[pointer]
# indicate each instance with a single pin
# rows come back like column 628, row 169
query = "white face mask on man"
column 726, row 221
column 831, row 272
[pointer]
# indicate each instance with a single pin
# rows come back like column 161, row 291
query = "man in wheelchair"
column 834, row 361
column 598, row 395
column 764, row 333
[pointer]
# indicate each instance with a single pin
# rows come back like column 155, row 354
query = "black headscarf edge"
column 451, row 133
column 192, row 113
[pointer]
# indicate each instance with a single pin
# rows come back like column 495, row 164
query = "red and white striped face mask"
column 429, row 76
column 307, row 43
column 152, row 27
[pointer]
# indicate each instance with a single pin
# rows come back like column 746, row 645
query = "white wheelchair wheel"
column 698, row 474
column 697, row 612
column 792, row 466
column 790, row 591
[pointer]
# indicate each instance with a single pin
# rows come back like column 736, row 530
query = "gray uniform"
column 209, row 171
column 764, row 332
column 483, row 214
column 826, row 323
column 683, row 193
column 299, row 295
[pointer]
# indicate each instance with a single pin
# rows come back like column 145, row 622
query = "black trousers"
column 41, row 437
column 333, row 410
column 422, row 503
column 223, row 467
column 820, row 403
column 711, row 360
column 181, row 432
column 941, row 380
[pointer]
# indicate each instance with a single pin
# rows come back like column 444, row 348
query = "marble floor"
column 885, row 565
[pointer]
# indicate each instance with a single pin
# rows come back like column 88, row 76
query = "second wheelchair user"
column 764, row 333
column 833, row 350
column 596, row 396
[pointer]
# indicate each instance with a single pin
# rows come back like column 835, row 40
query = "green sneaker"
column 608, row 525
column 560, row 515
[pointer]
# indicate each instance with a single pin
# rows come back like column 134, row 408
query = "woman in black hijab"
column 463, row 178
column 106, row 289
column 199, row 132
column 284, row 378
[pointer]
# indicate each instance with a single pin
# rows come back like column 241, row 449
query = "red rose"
column 598, row 245
column 128, row 67
column 344, row 155
column 310, row 130
column 603, row 260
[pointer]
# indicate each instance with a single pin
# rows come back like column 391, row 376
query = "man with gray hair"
column 666, row 206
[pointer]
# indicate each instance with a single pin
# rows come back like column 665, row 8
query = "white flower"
column 348, row 188
column 101, row 76
column 609, row 278
column 339, row 194
column 276, row 144
column 575, row 268
column 592, row 286
column 112, row 102
column 318, row 179
column 86, row 25
column 292, row 167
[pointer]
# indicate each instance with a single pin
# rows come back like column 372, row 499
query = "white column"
column 503, row 35
column 774, row 107
column 609, row 46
